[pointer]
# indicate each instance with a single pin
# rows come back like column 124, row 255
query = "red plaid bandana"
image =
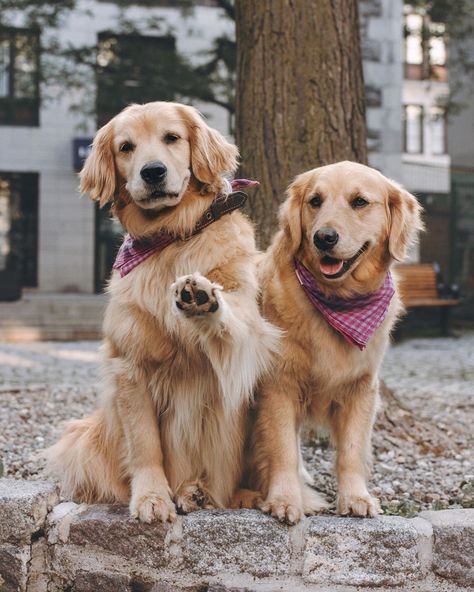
column 355, row 318
column 135, row 250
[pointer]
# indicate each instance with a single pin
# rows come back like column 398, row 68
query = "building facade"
column 51, row 239
column 54, row 239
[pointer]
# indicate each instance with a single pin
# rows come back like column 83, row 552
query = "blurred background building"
column 59, row 82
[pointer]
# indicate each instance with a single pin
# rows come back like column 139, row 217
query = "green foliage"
column 35, row 13
column 445, row 11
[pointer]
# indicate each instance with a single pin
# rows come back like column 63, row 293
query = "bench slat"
column 418, row 284
column 429, row 302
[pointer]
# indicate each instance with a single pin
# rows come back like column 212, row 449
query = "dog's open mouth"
column 333, row 268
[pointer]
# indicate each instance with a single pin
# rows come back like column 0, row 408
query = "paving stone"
column 103, row 582
column 361, row 552
column 111, row 528
column 222, row 588
column 453, row 544
column 13, row 568
column 244, row 541
column 23, row 508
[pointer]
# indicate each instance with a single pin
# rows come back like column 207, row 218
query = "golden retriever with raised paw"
column 326, row 282
column 184, row 342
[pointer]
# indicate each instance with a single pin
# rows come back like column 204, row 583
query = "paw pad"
column 195, row 295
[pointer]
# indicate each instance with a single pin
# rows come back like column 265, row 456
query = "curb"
column 46, row 545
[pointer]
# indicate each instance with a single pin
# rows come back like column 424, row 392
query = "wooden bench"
column 421, row 286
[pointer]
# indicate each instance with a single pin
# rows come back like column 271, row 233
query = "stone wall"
column 46, row 546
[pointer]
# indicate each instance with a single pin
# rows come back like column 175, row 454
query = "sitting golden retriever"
column 184, row 340
column 326, row 281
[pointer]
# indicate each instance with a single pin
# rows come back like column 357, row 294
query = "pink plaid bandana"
column 134, row 251
column 355, row 318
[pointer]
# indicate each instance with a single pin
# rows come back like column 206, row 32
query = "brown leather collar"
column 223, row 204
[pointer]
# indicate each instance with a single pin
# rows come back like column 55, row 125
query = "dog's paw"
column 195, row 295
column 363, row 505
column 191, row 497
column 152, row 507
column 286, row 510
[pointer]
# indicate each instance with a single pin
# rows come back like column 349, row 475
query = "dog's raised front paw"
column 285, row 509
column 152, row 507
column 195, row 295
column 363, row 505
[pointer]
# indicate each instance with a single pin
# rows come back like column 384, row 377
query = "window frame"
column 10, row 103
column 427, row 69
column 405, row 128
column 25, row 262
column 166, row 41
column 442, row 115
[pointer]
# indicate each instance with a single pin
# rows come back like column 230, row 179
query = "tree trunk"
column 300, row 93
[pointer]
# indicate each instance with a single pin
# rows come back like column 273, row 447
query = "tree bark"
column 300, row 94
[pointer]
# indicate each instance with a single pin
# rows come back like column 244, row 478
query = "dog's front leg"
column 276, row 452
column 151, row 496
column 351, row 428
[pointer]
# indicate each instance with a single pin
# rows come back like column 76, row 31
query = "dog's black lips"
column 157, row 194
column 346, row 265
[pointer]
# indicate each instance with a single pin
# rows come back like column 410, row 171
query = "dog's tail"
column 87, row 462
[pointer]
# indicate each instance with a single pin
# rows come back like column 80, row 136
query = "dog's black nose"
column 325, row 238
column 153, row 172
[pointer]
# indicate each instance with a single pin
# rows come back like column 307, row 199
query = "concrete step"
column 41, row 316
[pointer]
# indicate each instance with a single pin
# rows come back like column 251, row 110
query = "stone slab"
column 110, row 528
column 235, row 541
column 13, row 568
column 453, row 544
column 361, row 552
column 24, row 506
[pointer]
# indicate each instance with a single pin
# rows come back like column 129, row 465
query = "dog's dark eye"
column 316, row 201
column 171, row 138
column 359, row 202
column 126, row 147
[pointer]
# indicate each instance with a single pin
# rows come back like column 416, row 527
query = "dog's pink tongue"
column 331, row 268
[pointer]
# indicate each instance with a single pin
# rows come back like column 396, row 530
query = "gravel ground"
column 423, row 439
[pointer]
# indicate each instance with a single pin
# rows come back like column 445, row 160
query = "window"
column 413, row 120
column 134, row 69
column 437, row 51
column 19, row 77
column 425, row 48
column 413, row 39
column 19, row 226
column 438, row 130
column 437, row 44
column 130, row 69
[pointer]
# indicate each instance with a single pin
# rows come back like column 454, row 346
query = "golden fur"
column 176, row 382
column 321, row 379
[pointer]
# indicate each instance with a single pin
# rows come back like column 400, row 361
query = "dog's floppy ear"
column 98, row 173
column 211, row 154
column 405, row 220
column 290, row 213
